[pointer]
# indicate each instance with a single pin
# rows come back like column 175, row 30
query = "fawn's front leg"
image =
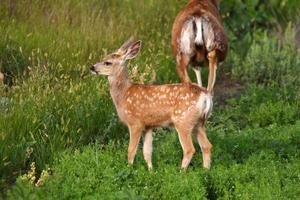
column 147, row 148
column 135, row 135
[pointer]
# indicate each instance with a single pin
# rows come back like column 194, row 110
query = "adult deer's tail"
column 204, row 33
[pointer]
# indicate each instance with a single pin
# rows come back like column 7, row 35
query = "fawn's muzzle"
column 92, row 68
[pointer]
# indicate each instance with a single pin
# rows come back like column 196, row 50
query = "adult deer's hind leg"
column 213, row 64
column 197, row 71
column 183, row 61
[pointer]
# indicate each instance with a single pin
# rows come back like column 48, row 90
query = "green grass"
column 250, row 164
column 53, row 113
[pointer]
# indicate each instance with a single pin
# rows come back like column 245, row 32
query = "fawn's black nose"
column 92, row 68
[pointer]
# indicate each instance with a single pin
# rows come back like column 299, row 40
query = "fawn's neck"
column 119, row 83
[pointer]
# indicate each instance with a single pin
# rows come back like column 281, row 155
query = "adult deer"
column 198, row 36
column 144, row 107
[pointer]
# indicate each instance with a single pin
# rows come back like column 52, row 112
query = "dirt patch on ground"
column 227, row 88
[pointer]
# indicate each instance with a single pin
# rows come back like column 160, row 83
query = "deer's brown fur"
column 144, row 107
column 197, row 37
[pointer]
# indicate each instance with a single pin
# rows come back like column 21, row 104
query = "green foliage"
column 259, row 106
column 267, row 62
column 247, row 19
column 13, row 62
column 48, row 115
column 252, row 164
column 261, row 14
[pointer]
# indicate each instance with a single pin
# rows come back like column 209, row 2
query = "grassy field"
column 60, row 137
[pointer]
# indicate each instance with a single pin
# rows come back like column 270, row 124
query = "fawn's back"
column 160, row 105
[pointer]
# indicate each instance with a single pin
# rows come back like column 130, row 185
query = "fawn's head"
column 116, row 61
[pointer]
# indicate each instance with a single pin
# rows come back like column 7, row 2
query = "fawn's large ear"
column 127, row 44
column 133, row 50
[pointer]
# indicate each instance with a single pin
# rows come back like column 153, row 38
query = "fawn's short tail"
column 205, row 105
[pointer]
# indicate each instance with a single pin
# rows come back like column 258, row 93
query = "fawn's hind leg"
column 185, row 137
column 147, row 148
column 135, row 135
column 205, row 146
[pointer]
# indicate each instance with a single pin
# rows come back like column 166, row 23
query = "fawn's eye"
column 107, row 63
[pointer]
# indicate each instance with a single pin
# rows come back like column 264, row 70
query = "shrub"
column 253, row 164
column 269, row 63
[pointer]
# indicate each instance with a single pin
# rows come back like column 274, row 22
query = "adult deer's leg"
column 213, row 64
column 185, row 138
column 197, row 71
column 135, row 135
column 182, row 66
column 147, row 148
column 205, row 146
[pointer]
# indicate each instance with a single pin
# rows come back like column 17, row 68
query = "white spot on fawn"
column 129, row 100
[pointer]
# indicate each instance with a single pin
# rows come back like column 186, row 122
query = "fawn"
column 144, row 107
column 197, row 37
